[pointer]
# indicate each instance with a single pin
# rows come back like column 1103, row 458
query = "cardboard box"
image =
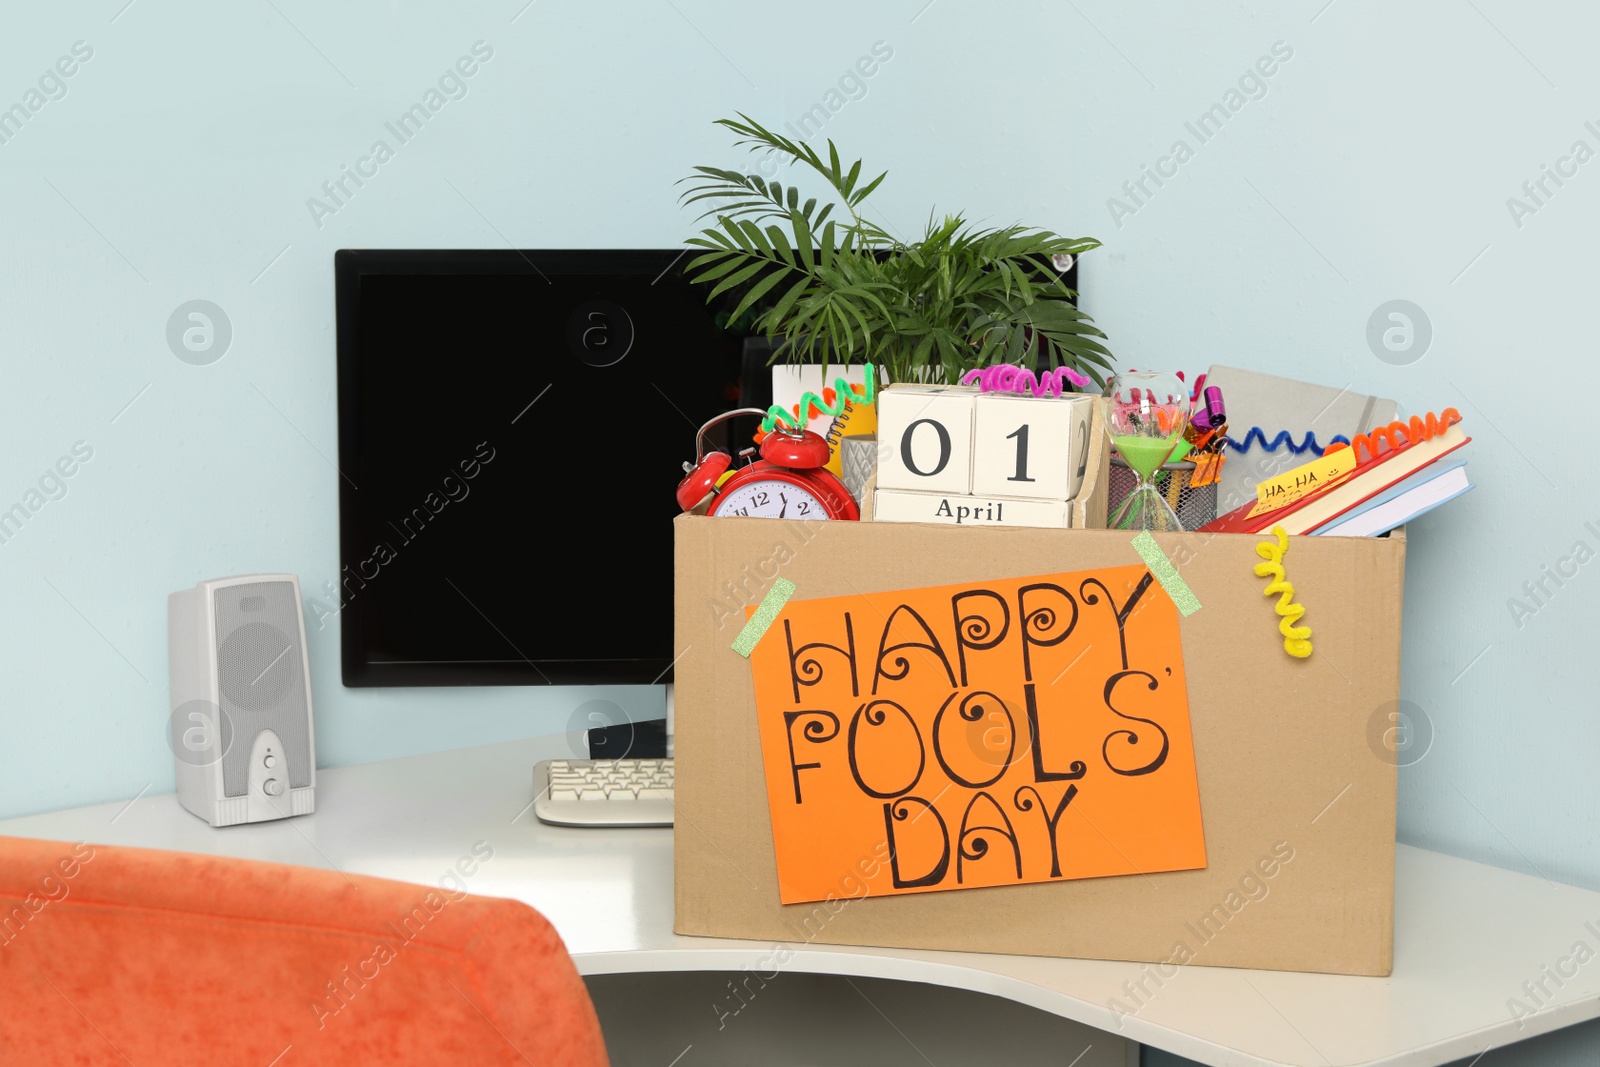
column 1297, row 796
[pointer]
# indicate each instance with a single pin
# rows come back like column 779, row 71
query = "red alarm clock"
column 789, row 481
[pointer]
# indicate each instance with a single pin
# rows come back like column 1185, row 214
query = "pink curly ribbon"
column 1009, row 378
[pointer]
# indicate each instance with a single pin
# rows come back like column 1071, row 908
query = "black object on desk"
column 478, row 392
column 629, row 740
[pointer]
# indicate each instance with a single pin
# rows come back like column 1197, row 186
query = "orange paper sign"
column 996, row 733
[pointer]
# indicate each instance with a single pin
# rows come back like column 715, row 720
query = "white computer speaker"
column 240, row 729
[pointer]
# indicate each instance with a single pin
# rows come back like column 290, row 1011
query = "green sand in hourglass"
column 1145, row 454
column 1146, row 413
column 1145, row 508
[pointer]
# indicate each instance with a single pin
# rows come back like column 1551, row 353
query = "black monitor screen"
column 511, row 429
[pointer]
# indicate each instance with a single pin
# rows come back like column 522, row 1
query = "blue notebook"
column 1397, row 505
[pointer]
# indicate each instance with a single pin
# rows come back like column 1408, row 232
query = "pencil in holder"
column 1195, row 505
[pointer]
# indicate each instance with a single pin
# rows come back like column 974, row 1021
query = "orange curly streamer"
column 1400, row 434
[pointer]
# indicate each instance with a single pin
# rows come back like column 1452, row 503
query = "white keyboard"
column 591, row 792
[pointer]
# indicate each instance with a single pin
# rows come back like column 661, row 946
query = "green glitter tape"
column 766, row 612
column 1165, row 573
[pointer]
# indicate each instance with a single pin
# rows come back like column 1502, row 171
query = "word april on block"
column 895, row 505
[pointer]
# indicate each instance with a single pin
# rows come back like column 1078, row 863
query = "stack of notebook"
column 1273, row 419
column 1384, row 480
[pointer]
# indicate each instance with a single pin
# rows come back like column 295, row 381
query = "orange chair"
column 123, row 955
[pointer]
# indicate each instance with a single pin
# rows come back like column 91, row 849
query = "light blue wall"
column 1377, row 166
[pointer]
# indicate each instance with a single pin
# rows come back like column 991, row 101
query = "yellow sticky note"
column 1296, row 482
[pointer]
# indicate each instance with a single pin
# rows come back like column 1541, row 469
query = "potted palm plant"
column 829, row 285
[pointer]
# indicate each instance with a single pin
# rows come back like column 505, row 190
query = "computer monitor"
column 512, row 425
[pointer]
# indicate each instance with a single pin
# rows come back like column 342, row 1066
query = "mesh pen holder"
column 1195, row 505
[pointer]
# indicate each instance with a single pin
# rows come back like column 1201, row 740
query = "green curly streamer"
column 843, row 394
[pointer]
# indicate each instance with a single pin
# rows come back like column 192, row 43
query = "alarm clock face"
column 770, row 498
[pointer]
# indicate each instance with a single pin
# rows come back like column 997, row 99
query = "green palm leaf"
column 958, row 297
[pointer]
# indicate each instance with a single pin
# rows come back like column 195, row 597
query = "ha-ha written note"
column 982, row 734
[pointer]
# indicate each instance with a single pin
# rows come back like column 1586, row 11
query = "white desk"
column 1467, row 936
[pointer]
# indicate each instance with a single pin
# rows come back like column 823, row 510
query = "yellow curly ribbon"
column 1296, row 639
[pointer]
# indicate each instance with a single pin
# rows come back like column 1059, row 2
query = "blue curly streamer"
column 1258, row 436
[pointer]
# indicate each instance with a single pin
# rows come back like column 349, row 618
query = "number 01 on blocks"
column 953, row 455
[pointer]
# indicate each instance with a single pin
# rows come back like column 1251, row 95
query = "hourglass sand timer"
column 1146, row 415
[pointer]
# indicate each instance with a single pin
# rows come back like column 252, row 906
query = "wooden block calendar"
column 925, row 438
column 1033, row 447
column 952, row 454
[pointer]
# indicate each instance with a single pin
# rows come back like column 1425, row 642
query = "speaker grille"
column 261, row 677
